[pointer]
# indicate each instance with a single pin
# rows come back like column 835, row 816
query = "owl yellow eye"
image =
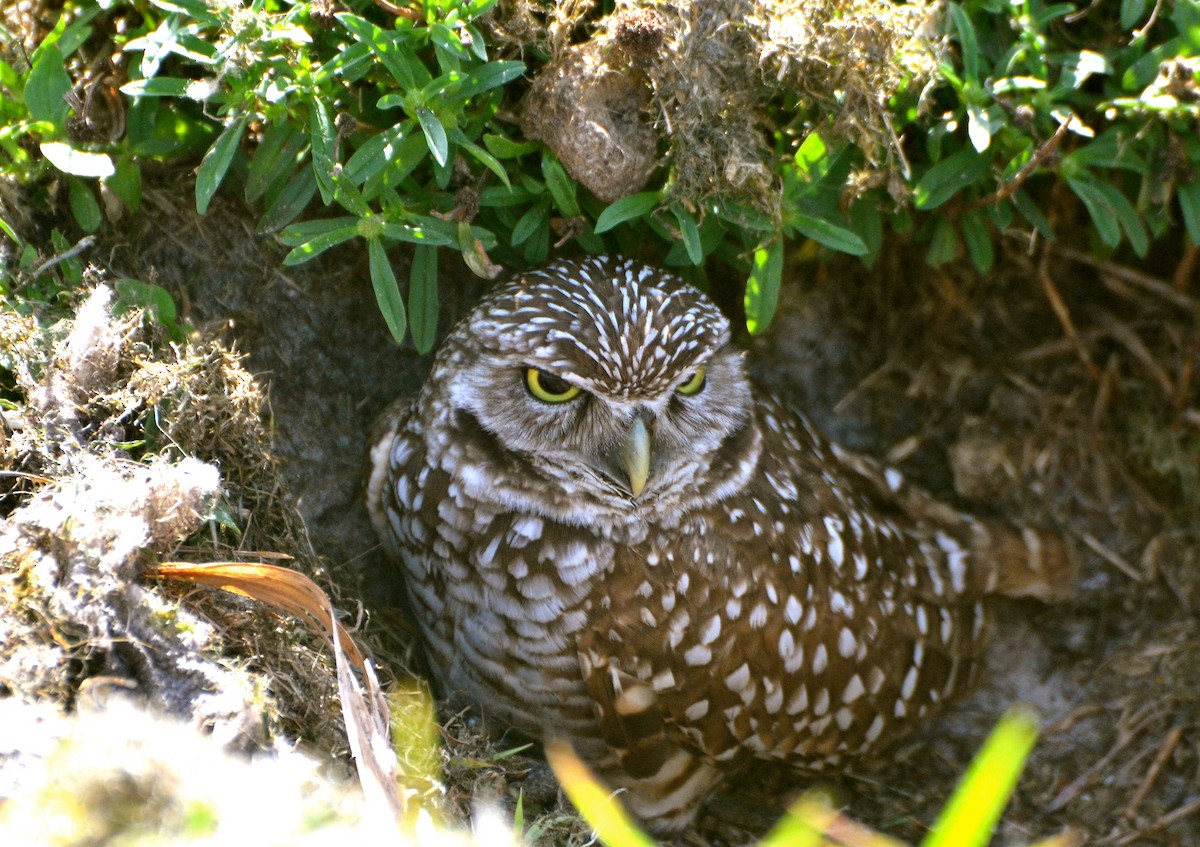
column 549, row 388
column 694, row 384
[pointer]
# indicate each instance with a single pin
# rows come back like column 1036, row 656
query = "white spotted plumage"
column 766, row 594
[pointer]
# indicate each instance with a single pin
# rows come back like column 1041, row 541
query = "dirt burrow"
column 967, row 384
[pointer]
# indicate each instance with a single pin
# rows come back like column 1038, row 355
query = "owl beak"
column 633, row 455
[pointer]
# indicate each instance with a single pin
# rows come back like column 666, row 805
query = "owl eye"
column 694, row 384
column 549, row 388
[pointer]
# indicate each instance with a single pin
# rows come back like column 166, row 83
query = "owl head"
column 610, row 375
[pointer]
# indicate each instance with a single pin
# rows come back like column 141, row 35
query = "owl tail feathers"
column 1025, row 562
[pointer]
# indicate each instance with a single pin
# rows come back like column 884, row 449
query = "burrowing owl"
column 611, row 535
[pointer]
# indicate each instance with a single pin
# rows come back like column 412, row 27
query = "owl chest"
column 502, row 598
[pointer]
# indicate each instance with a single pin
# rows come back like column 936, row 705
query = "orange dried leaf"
column 286, row 590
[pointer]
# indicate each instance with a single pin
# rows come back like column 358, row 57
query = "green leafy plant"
column 400, row 126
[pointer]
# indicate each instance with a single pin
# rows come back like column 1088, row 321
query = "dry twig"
column 1164, row 752
column 1064, row 315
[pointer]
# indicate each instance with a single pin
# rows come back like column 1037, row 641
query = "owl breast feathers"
column 609, row 534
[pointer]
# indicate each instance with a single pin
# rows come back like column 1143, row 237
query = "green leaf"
column 1044, row 17
column 155, row 129
column 762, row 286
column 374, row 154
column 1109, row 210
column 322, row 136
column 155, row 46
column 867, row 221
column 196, row 9
column 537, row 248
column 159, row 86
column 1186, row 17
column 980, row 127
column 529, row 223
column 1030, row 211
column 84, row 205
column 943, row 246
column 478, row 8
column 47, row 84
column 948, row 177
column 423, row 298
column 216, row 162
column 390, row 46
column 387, row 290
column 126, row 183
column 77, row 162
column 1189, row 204
column 1142, row 72
column 689, row 233
column 1109, row 150
column 477, row 45
column 197, row 50
column 627, row 208
column 72, row 268
column 319, row 244
column 967, row 41
column 435, row 135
column 1131, row 12
column 829, row 234
column 812, row 157
column 289, row 202
column 474, row 252
column 1079, row 67
column 297, row 234
column 1127, row 216
column 422, row 235
column 156, row 300
column 1010, row 84
column 970, row 817
column 9, row 78
column 746, row 217
column 402, row 159
column 29, row 258
column 448, row 47
column 502, row 197
column 978, row 238
column 480, row 155
column 274, row 159
column 561, row 186
column 485, row 78
column 505, row 148
column 10, row 232
column 350, row 64
column 78, row 31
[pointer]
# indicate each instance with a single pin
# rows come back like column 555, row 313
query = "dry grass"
column 111, row 456
column 707, row 75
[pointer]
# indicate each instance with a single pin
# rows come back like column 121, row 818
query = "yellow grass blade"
column 599, row 807
column 971, row 815
column 811, row 822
